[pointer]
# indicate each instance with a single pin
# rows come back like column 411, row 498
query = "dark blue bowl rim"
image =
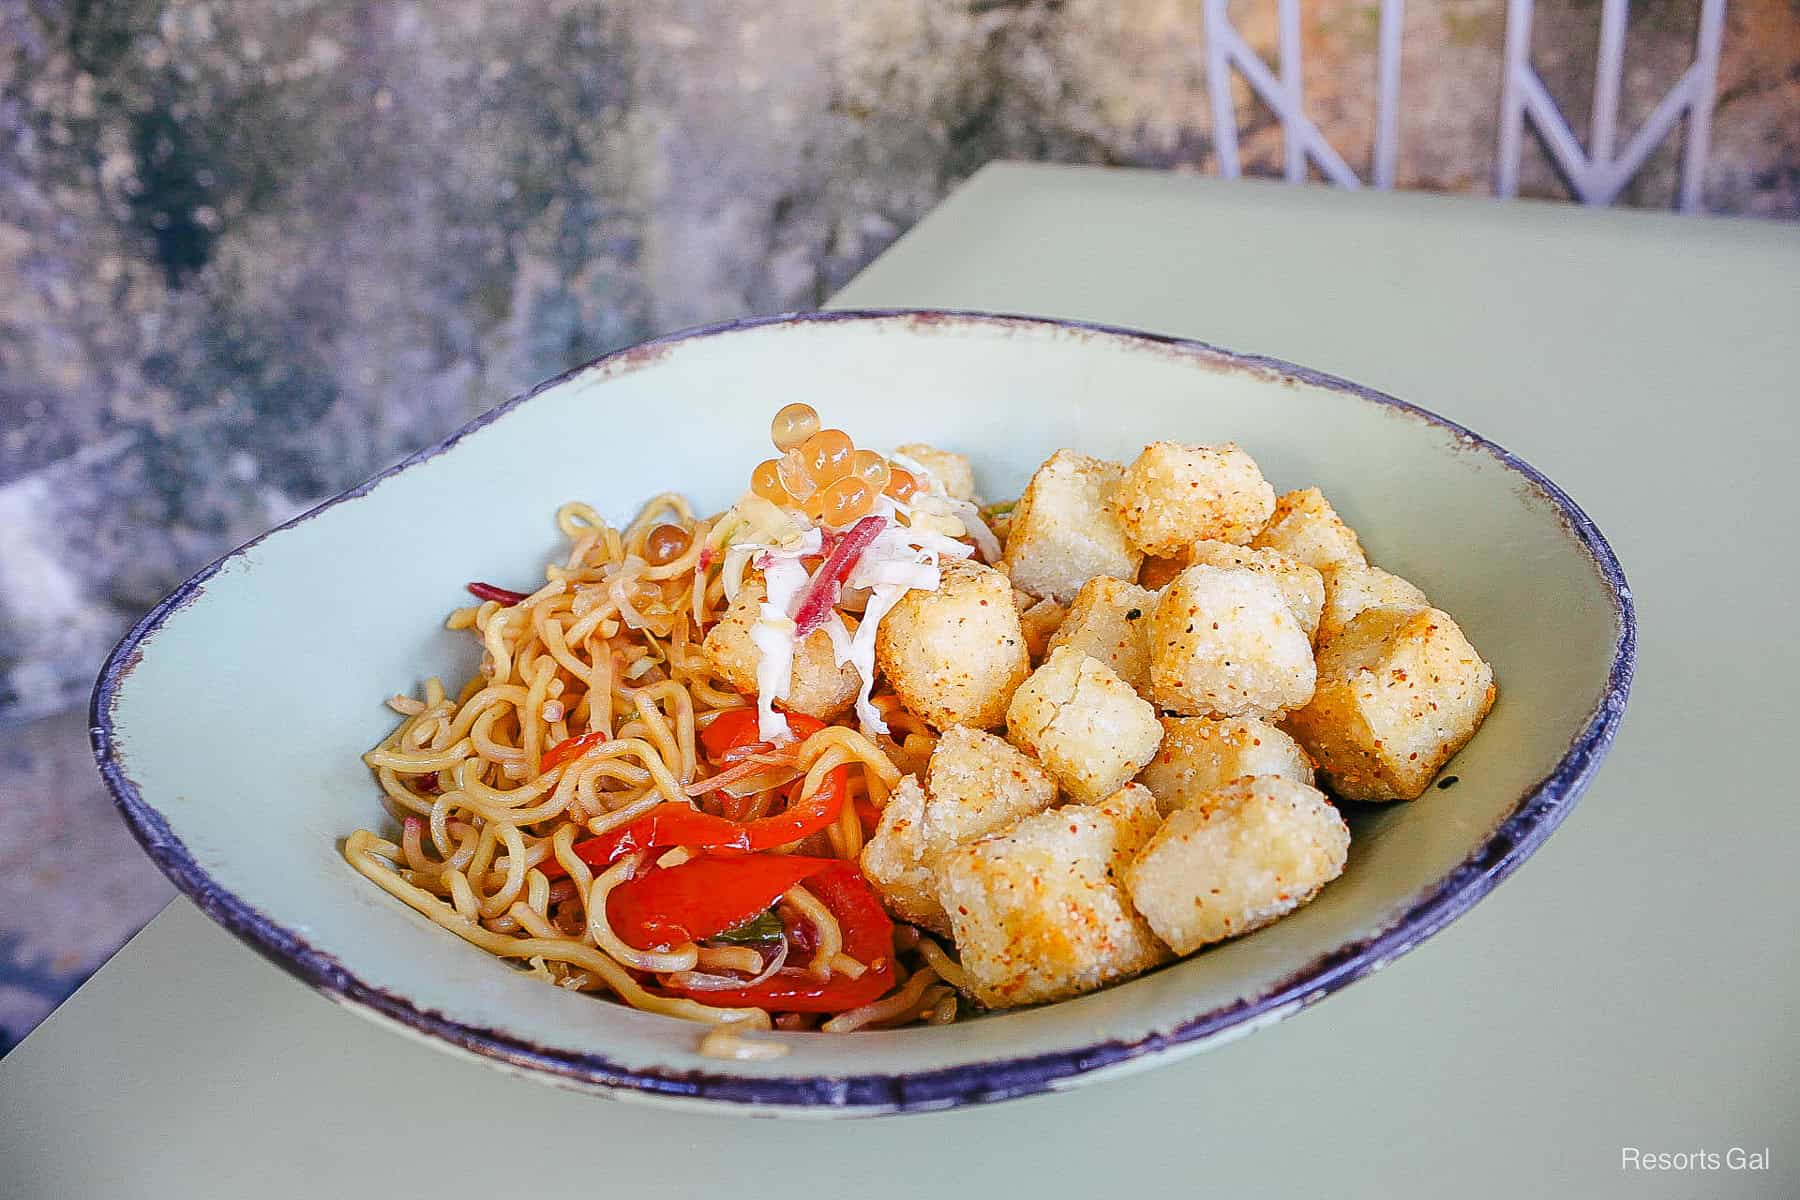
column 1536, row 815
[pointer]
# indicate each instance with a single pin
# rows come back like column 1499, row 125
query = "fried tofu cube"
column 1299, row 583
column 1351, row 588
column 1308, row 528
column 955, row 655
column 1237, row 859
column 1036, row 912
column 895, row 863
column 1040, row 619
column 975, row 784
column 1400, row 691
column 1084, row 723
column 1136, row 816
column 1065, row 529
column 1173, row 495
column 818, row 686
column 949, row 468
column 978, row 783
column 1110, row 621
column 1223, row 642
column 1201, row 754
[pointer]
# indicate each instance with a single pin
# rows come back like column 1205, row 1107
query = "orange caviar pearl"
column 795, row 475
column 845, row 501
column 793, row 425
column 871, row 468
column 901, row 484
column 828, row 455
column 665, row 544
column 765, row 481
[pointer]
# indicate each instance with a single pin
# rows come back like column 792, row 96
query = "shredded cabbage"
column 773, row 636
column 862, row 654
column 944, row 510
column 901, row 558
column 970, row 516
column 760, row 526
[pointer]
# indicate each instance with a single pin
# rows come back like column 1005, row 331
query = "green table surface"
column 1637, row 984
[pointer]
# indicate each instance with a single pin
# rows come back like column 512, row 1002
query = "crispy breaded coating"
column 1236, row 859
column 1308, row 528
column 1299, row 583
column 1224, row 642
column 1350, row 588
column 954, row 655
column 895, row 863
column 1400, row 691
column 1036, row 912
column 819, row 688
column 1201, row 754
column 1136, row 816
column 1084, row 723
column 978, row 783
column 1065, row 529
column 1110, row 621
column 975, row 784
column 953, row 470
column 1173, row 495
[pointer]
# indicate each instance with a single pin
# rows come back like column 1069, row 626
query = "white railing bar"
column 1699, row 130
column 1605, row 124
column 1387, row 103
column 1615, row 175
column 1325, row 154
column 1293, row 89
column 1239, row 54
column 1218, row 82
column 1598, row 175
column 1512, row 96
column 1557, row 135
column 1595, row 174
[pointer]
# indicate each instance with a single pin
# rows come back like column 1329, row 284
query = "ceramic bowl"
column 230, row 721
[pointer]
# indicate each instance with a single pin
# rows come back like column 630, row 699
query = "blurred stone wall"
column 252, row 252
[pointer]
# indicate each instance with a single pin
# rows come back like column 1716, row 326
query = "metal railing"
column 1595, row 174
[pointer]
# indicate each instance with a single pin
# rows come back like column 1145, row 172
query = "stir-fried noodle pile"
column 522, row 797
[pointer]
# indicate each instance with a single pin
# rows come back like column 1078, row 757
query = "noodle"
column 948, row 970
column 724, row 1042
column 681, row 959
column 730, row 958
column 903, row 1001
column 825, row 929
column 608, row 649
column 361, row 849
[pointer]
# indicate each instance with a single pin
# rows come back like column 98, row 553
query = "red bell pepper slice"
column 702, row 897
column 868, row 938
column 735, row 734
column 506, row 596
column 827, row 584
column 730, row 728
column 666, row 825
column 803, row 816
column 570, row 749
column 675, row 824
